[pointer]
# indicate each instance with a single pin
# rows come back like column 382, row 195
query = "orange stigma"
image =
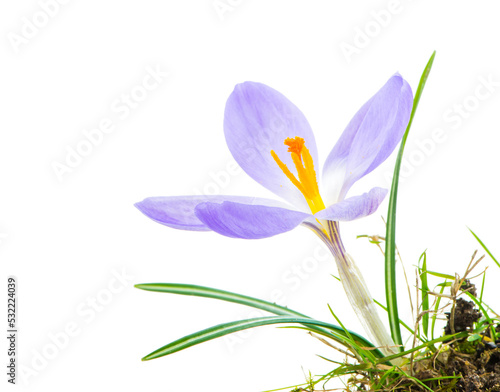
column 295, row 145
column 306, row 183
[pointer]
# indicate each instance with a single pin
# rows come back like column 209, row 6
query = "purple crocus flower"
column 272, row 141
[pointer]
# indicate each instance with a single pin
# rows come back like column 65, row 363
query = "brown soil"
column 477, row 363
column 480, row 371
column 465, row 317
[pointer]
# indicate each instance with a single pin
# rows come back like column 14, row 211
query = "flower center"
column 306, row 183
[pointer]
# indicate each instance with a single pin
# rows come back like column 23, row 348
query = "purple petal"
column 354, row 207
column 369, row 138
column 179, row 211
column 257, row 120
column 248, row 221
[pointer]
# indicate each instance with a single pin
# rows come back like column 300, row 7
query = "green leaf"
column 228, row 328
column 208, row 292
column 390, row 242
column 436, row 307
column 334, row 332
column 425, row 294
column 485, row 248
column 444, row 338
column 473, row 337
column 346, row 331
column 440, row 275
column 482, row 287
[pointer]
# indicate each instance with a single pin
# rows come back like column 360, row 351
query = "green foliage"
column 358, row 344
column 235, row 326
column 485, row 248
column 390, row 242
column 425, row 293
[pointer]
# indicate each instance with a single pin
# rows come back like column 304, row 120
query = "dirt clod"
column 465, row 317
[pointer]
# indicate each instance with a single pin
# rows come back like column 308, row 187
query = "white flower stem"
column 358, row 294
column 363, row 304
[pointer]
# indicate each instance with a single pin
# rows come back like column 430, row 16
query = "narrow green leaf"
column 436, row 307
column 485, row 248
column 228, row 328
column 482, row 288
column 444, row 338
column 425, row 294
column 359, row 351
column 208, row 292
column 346, row 331
column 440, row 275
column 390, row 242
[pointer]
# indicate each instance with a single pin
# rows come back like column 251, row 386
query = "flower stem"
column 358, row 294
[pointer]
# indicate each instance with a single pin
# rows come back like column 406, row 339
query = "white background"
column 65, row 239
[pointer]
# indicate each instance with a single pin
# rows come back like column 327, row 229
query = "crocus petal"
column 370, row 137
column 354, row 207
column 257, row 120
column 178, row 212
column 238, row 220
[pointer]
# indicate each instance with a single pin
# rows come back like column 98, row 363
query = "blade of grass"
column 339, row 322
column 228, row 328
column 425, row 294
column 482, row 288
column 390, row 243
column 444, row 338
column 436, row 307
column 485, row 248
column 440, row 275
column 208, row 292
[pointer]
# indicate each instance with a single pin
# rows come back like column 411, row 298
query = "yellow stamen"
column 287, row 172
column 307, row 183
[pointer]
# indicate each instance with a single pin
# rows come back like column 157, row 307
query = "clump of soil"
column 465, row 316
column 477, row 363
column 470, row 287
column 480, row 371
column 472, row 366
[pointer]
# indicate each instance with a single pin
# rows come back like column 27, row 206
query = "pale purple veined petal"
column 238, row 220
column 178, row 212
column 257, row 120
column 354, row 207
column 369, row 138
